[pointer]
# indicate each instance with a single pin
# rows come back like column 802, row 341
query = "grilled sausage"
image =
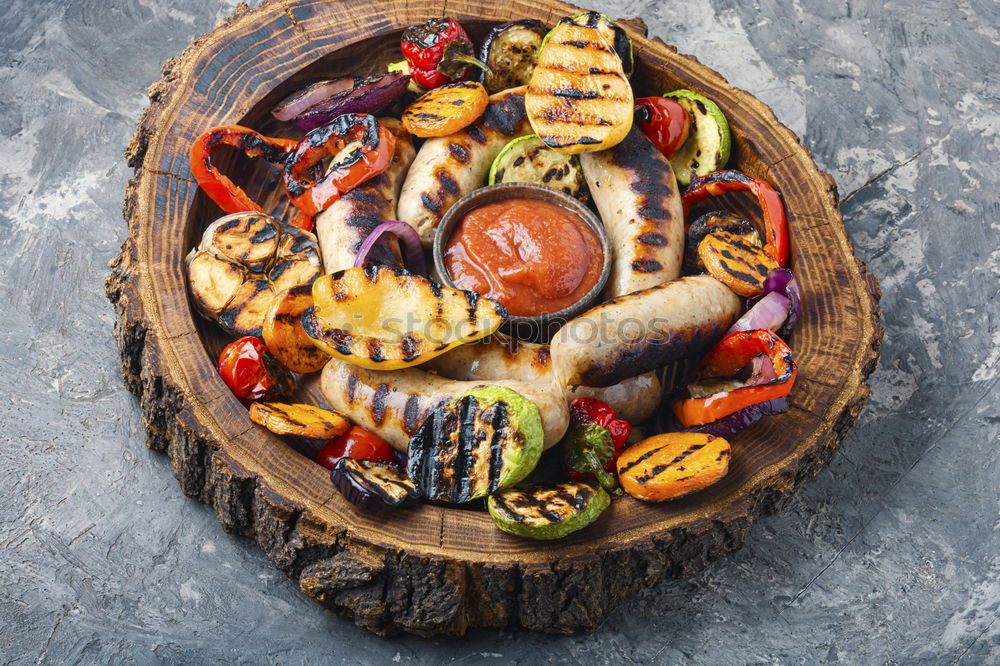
column 636, row 194
column 394, row 403
column 343, row 227
column 449, row 167
column 499, row 357
column 633, row 334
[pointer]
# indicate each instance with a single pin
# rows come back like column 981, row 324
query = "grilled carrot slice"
column 298, row 419
column 284, row 335
column 673, row 464
column 446, row 110
column 736, row 263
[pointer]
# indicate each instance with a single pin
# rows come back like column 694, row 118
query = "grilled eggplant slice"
column 299, row 420
column 371, row 485
column 528, row 160
column 547, row 512
column 284, row 335
column 579, row 98
column 214, row 281
column 385, row 318
column 708, row 144
column 511, row 50
column 482, row 441
column 242, row 261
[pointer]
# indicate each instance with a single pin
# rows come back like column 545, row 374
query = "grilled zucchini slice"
column 510, row 51
column 385, row 318
column 708, row 144
column 547, row 512
column 482, row 441
column 527, row 159
column 579, row 98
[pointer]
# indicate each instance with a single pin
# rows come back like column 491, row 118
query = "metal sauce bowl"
column 539, row 328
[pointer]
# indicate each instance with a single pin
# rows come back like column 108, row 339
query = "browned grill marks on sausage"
column 476, row 133
column 411, row 414
column 432, row 205
column 646, row 266
column 379, row 399
column 448, row 182
column 653, row 238
column 459, row 152
column 352, row 386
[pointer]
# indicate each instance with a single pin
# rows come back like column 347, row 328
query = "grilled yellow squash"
column 579, row 99
column 383, row 318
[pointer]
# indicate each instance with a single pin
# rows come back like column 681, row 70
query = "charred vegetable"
column 510, row 51
column 371, row 485
column 284, row 334
column 541, row 512
column 708, row 143
column 735, row 263
column 384, row 319
column 588, row 448
column 482, row 441
column 298, row 419
column 446, row 109
column 321, row 102
column 251, row 373
column 437, row 52
column 241, row 263
column 579, row 98
column 716, row 220
column 528, row 160
column 671, row 465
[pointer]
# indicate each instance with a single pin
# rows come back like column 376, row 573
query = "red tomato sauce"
column 533, row 256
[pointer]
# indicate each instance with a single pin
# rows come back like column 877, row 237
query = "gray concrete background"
column 891, row 555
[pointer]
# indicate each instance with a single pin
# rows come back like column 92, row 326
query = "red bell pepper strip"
column 438, row 52
column 730, row 180
column 229, row 197
column 368, row 160
column 732, row 353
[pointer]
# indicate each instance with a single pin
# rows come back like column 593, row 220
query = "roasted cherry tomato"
column 664, row 122
column 250, row 371
column 356, row 443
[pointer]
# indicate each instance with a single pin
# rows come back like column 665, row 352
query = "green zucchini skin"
column 482, row 441
column 528, row 159
column 547, row 512
column 511, row 50
column 709, row 142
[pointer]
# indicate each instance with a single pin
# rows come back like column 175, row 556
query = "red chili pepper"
column 664, row 122
column 726, row 359
column 438, row 52
column 218, row 187
column 730, row 180
column 367, row 161
column 356, row 443
column 251, row 372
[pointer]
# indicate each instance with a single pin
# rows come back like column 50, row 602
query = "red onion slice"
column 301, row 101
column 782, row 281
column 372, row 95
column 413, row 253
column 769, row 312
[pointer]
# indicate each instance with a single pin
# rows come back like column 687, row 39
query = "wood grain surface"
column 428, row 569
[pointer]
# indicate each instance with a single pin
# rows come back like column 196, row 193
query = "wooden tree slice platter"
column 431, row 569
